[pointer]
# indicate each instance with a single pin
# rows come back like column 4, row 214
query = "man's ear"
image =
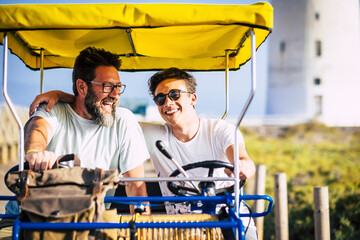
column 81, row 86
column 193, row 99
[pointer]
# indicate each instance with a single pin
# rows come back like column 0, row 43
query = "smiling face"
column 176, row 112
column 99, row 105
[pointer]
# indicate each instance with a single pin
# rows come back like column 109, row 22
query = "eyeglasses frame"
column 113, row 86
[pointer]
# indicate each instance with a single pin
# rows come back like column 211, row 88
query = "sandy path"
column 3, row 189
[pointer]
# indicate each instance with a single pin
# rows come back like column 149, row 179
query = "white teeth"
column 171, row 111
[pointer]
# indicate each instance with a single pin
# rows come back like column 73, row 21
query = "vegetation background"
column 311, row 155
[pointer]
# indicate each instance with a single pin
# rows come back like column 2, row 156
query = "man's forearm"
column 36, row 136
column 137, row 189
column 65, row 97
column 51, row 98
column 246, row 165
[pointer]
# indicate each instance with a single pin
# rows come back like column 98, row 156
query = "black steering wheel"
column 180, row 189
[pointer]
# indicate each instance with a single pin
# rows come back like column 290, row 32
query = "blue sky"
column 24, row 84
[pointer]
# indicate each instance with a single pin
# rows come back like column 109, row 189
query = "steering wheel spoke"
column 182, row 190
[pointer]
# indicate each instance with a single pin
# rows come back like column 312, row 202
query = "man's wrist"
column 32, row 150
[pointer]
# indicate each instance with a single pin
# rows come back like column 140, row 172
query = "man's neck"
column 188, row 130
column 79, row 107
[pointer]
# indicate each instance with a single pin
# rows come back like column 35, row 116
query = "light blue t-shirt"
column 121, row 146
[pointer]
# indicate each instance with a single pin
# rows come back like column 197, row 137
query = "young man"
column 189, row 138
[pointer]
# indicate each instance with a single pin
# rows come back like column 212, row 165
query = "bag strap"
column 23, row 185
column 98, row 182
column 66, row 158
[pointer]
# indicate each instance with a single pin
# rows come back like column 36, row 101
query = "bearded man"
column 92, row 127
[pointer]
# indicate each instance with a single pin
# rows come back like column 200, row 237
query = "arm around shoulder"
column 50, row 98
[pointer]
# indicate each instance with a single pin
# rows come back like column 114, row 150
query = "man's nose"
column 168, row 101
column 115, row 93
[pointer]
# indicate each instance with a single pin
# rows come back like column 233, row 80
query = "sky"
column 24, row 84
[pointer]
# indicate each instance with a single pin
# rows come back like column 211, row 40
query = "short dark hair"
column 168, row 73
column 88, row 60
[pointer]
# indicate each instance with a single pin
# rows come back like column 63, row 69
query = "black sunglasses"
column 173, row 95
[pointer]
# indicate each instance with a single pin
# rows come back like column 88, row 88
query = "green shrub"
column 345, row 219
column 312, row 155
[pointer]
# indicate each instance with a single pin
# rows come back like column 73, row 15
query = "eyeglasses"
column 109, row 87
column 173, row 95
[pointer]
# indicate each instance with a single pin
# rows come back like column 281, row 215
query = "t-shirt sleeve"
column 226, row 135
column 132, row 144
column 152, row 133
column 53, row 117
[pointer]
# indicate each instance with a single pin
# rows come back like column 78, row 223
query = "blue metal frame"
column 234, row 221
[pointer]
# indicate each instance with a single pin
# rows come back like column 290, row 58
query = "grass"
column 311, row 155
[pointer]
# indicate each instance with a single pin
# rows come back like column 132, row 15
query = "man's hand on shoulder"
column 51, row 98
column 40, row 160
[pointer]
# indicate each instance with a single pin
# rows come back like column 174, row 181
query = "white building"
column 314, row 61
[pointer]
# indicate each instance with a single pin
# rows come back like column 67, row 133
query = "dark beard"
column 94, row 109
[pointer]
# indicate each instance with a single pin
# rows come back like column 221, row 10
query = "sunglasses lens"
column 175, row 95
column 160, row 99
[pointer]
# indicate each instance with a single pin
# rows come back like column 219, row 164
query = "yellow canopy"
column 146, row 36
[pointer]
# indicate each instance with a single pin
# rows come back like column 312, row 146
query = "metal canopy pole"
column 253, row 78
column 128, row 31
column 227, row 53
column 41, row 70
column 251, row 95
column 11, row 106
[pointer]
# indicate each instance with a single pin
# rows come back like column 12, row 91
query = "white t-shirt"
column 120, row 146
column 210, row 143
